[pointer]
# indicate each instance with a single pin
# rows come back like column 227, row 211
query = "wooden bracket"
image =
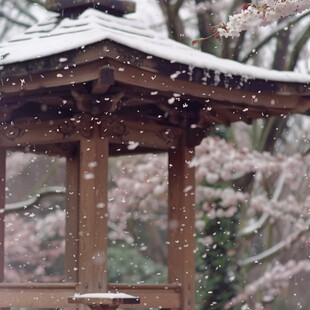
column 105, row 80
column 83, row 101
column 96, row 105
column 111, row 102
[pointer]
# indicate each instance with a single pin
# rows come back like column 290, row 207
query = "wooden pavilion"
column 85, row 83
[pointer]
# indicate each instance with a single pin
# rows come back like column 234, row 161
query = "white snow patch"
column 89, row 176
column 105, row 295
column 171, row 100
column 132, row 145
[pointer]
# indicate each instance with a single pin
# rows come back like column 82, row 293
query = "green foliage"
column 127, row 265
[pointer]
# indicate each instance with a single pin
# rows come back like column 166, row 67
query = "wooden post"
column 181, row 224
column 93, row 215
column 2, row 207
column 72, row 218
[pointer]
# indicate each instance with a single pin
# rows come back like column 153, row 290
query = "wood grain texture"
column 72, row 218
column 40, row 295
column 181, row 224
column 36, row 295
column 93, row 215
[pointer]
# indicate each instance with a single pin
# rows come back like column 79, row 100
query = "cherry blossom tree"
column 228, row 212
column 253, row 16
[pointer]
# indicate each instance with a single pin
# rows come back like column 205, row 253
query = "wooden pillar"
column 72, row 217
column 2, row 207
column 93, row 215
column 181, row 224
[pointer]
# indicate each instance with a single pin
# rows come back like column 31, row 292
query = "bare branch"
column 44, row 191
column 248, row 231
column 261, row 44
column 301, row 42
column 24, row 11
column 274, row 250
column 14, row 21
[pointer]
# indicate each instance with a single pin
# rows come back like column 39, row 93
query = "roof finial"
column 73, row 8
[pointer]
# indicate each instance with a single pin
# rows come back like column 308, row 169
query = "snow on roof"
column 56, row 35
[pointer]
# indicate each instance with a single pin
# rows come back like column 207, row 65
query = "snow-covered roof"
column 56, row 35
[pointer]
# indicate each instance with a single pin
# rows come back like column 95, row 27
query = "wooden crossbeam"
column 31, row 295
column 55, row 295
column 140, row 77
column 118, row 131
column 163, row 296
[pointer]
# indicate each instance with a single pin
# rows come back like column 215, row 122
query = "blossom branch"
column 272, row 280
column 248, row 231
column 253, row 16
column 44, row 191
column 280, row 28
column 271, row 252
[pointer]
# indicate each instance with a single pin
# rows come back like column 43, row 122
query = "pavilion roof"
column 56, row 35
column 99, row 63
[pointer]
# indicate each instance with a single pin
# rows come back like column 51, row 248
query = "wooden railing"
column 55, row 295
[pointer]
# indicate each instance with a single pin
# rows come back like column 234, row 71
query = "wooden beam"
column 56, row 131
column 146, row 135
column 93, row 215
column 54, row 149
column 31, row 295
column 74, row 76
column 2, row 207
column 55, row 295
column 181, row 224
column 118, row 130
column 162, row 296
column 134, row 76
column 72, row 218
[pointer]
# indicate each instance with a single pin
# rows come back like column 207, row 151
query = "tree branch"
column 301, row 42
column 250, row 230
column 271, row 252
column 44, row 191
column 16, row 22
column 273, row 34
column 24, row 11
column 178, row 5
column 174, row 23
